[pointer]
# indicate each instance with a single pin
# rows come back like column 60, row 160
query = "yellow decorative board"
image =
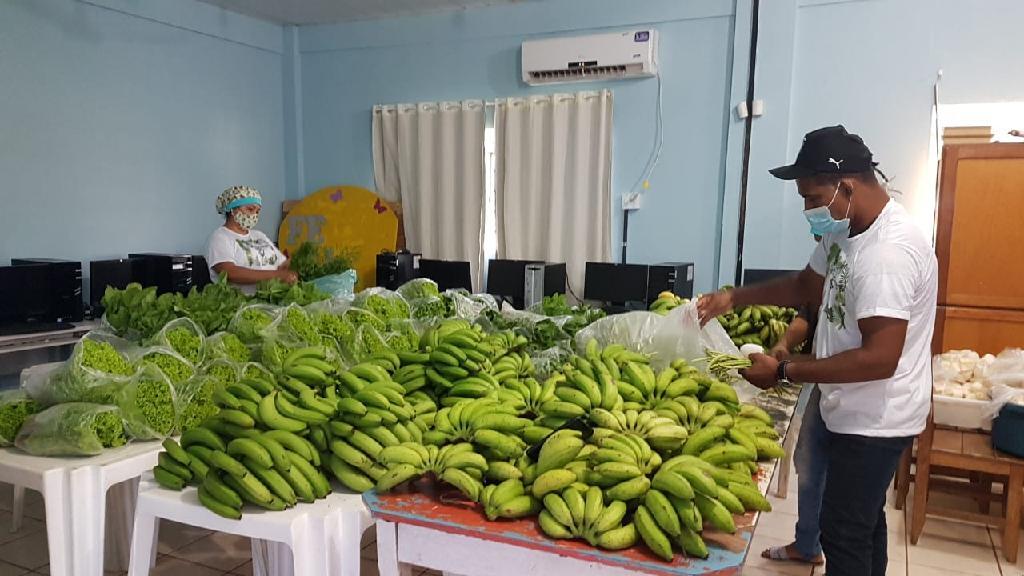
column 343, row 217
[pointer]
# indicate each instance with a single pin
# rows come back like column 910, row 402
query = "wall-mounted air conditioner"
column 598, row 57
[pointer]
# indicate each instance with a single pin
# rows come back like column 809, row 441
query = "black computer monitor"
column 617, row 283
column 448, row 274
column 103, row 273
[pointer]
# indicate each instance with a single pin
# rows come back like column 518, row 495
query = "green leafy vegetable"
column 174, row 367
column 72, row 429
column 15, row 407
column 311, row 261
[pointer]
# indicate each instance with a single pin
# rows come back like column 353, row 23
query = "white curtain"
column 430, row 156
column 553, row 179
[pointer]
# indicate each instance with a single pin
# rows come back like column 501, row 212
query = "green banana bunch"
column 666, row 302
column 583, row 514
column 663, row 433
column 487, row 423
column 528, row 394
column 620, row 466
column 762, row 325
column 508, row 499
column 456, row 464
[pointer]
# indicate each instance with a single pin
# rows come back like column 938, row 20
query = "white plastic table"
column 324, row 535
column 75, row 493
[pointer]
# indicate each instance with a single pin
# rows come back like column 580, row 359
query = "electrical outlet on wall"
column 631, row 201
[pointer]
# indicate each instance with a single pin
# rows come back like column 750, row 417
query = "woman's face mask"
column 821, row 219
column 246, row 217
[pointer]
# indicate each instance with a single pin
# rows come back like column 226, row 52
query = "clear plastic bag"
column 430, row 307
column 222, row 370
column 184, row 337
column 148, row 404
column 225, row 345
column 250, row 321
column 419, row 288
column 97, row 361
column 337, row 285
column 293, row 328
column 72, row 429
column 173, row 365
column 257, row 371
column 1001, row 396
column 666, row 338
column 15, row 407
column 195, row 401
column 404, row 335
column 547, row 362
column 369, row 342
column 384, row 304
column 360, row 317
column 469, row 306
column 1007, row 369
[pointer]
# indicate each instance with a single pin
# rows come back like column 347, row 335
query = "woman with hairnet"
column 237, row 250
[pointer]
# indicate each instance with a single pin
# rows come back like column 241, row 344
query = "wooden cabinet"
column 980, row 248
column 984, row 330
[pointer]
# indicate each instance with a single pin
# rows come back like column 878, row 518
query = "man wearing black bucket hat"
column 877, row 277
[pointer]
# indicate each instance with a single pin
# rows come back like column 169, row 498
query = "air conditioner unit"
column 598, row 57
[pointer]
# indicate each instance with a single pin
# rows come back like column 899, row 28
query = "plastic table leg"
column 144, row 540
column 17, row 507
column 58, row 503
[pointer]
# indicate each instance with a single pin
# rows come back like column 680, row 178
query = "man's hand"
column 712, row 305
column 779, row 351
column 1017, row 133
column 762, row 373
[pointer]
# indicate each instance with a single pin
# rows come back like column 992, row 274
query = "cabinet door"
column 986, row 331
column 980, row 237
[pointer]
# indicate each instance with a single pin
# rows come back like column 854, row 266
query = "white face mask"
column 246, row 220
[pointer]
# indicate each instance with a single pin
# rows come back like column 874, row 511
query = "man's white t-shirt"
column 889, row 270
column 253, row 250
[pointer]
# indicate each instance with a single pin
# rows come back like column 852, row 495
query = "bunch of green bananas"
column 576, row 514
column 456, row 464
column 487, row 422
column 374, row 413
column 509, row 499
column 760, row 324
column 666, row 302
column 251, row 451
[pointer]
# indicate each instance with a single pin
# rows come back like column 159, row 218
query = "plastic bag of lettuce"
column 15, row 408
column 173, row 365
column 72, row 429
column 384, row 304
column 225, row 345
column 250, row 321
column 184, row 337
column 98, row 361
column 148, row 404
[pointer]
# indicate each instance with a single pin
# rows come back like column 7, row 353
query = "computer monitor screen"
column 606, row 282
column 449, row 274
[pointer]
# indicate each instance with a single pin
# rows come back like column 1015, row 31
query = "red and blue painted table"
column 438, row 530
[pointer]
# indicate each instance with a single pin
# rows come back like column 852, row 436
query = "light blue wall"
column 346, row 69
column 870, row 65
column 121, row 120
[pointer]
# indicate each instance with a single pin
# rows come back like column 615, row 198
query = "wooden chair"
column 966, row 454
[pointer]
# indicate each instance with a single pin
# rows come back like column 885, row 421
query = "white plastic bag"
column 1007, row 369
column 1001, row 396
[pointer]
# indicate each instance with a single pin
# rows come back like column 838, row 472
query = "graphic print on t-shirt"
column 838, row 277
column 257, row 252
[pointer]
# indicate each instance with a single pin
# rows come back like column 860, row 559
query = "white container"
column 961, row 413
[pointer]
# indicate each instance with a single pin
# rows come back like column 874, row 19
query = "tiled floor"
column 945, row 548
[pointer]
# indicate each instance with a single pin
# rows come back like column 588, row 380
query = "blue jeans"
column 853, row 530
column 811, row 461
